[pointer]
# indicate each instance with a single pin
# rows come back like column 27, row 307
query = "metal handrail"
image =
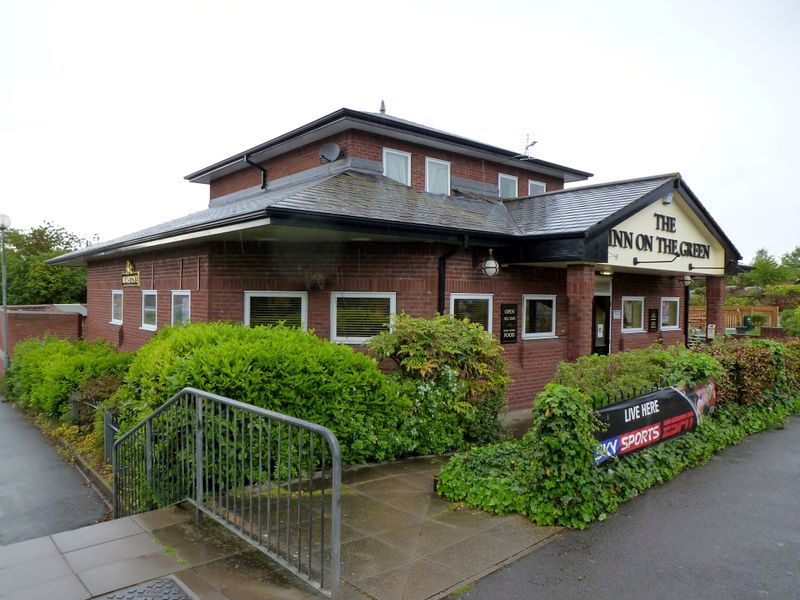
column 187, row 450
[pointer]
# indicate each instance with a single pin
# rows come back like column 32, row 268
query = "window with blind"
column 507, row 186
column 437, row 176
column 116, row 307
column 632, row 314
column 271, row 308
column 397, row 165
column 181, row 307
column 670, row 309
column 357, row 316
column 539, row 316
column 149, row 309
column 475, row 307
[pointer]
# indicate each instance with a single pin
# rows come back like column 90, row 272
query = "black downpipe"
column 260, row 168
column 443, row 275
column 686, row 295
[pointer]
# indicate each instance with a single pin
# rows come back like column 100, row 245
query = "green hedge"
column 44, row 372
column 549, row 475
column 279, row 368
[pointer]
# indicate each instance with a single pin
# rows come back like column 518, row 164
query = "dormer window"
column 507, row 185
column 437, row 176
column 536, row 187
column 397, row 165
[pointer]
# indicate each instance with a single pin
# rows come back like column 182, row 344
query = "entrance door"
column 601, row 323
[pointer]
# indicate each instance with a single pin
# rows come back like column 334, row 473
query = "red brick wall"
column 364, row 145
column 184, row 269
column 715, row 301
column 35, row 323
column 580, row 292
column 653, row 288
column 227, row 270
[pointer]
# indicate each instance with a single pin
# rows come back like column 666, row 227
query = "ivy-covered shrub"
column 605, row 378
column 549, row 475
column 754, row 370
column 445, row 353
column 278, row 368
column 44, row 372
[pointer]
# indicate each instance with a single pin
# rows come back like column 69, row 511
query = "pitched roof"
column 578, row 209
column 372, row 199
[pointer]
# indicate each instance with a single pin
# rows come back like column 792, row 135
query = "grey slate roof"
column 352, row 195
column 578, row 209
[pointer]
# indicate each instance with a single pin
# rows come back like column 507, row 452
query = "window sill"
column 115, row 322
column 148, row 328
column 544, row 336
column 670, row 329
column 626, row 331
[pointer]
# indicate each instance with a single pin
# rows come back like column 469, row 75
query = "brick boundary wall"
column 36, row 321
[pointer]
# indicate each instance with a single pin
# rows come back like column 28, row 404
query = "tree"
column 30, row 280
column 765, row 271
column 791, row 262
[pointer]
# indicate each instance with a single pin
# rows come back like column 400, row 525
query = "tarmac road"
column 40, row 494
column 727, row 530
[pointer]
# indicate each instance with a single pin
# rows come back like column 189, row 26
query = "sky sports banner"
column 652, row 418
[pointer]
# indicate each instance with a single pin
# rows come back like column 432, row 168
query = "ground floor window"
column 632, row 314
column 116, row 307
column 149, row 309
column 357, row 316
column 181, row 307
column 475, row 307
column 670, row 309
column 539, row 316
column 271, row 308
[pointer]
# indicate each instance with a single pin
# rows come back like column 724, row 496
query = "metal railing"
column 83, row 413
column 273, row 480
column 601, row 399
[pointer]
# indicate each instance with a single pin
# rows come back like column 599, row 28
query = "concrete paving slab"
column 417, row 580
column 32, row 573
column 67, row 587
column 114, row 551
column 21, row 552
column 156, row 519
column 124, row 573
column 91, row 535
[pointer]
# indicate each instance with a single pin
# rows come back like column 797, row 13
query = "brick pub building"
column 340, row 223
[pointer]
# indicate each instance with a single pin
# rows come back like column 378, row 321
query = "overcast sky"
column 106, row 105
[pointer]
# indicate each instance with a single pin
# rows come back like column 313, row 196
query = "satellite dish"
column 329, row 152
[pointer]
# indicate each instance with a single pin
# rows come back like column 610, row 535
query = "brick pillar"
column 715, row 298
column 580, row 293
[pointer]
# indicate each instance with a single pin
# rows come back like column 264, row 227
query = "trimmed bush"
column 605, row 378
column 453, row 370
column 279, row 368
column 45, row 372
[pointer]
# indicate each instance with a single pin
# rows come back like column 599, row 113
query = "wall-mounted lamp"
column 667, row 199
column 605, row 273
column 488, row 264
column 686, row 280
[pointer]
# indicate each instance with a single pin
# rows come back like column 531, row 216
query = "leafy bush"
column 549, row 475
column 505, row 477
column 754, row 370
column 433, row 352
column 605, row 378
column 45, row 372
column 278, row 368
column 790, row 320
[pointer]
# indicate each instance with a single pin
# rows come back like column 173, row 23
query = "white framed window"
column 437, row 176
column 271, row 308
column 475, row 307
column 506, row 185
column 397, row 165
column 357, row 316
column 149, row 309
column 538, row 316
column 536, row 187
column 181, row 307
column 632, row 314
column 116, row 306
column 670, row 314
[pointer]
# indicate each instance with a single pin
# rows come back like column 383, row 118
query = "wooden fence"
column 734, row 315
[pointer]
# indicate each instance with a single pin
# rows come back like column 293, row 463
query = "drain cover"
column 157, row 589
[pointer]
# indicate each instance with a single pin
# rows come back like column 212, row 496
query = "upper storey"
column 426, row 159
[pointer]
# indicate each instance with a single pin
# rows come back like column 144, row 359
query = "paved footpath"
column 728, row 530
column 40, row 494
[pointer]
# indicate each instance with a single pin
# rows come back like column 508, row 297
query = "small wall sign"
column 131, row 276
column 652, row 319
column 508, row 323
column 617, row 314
